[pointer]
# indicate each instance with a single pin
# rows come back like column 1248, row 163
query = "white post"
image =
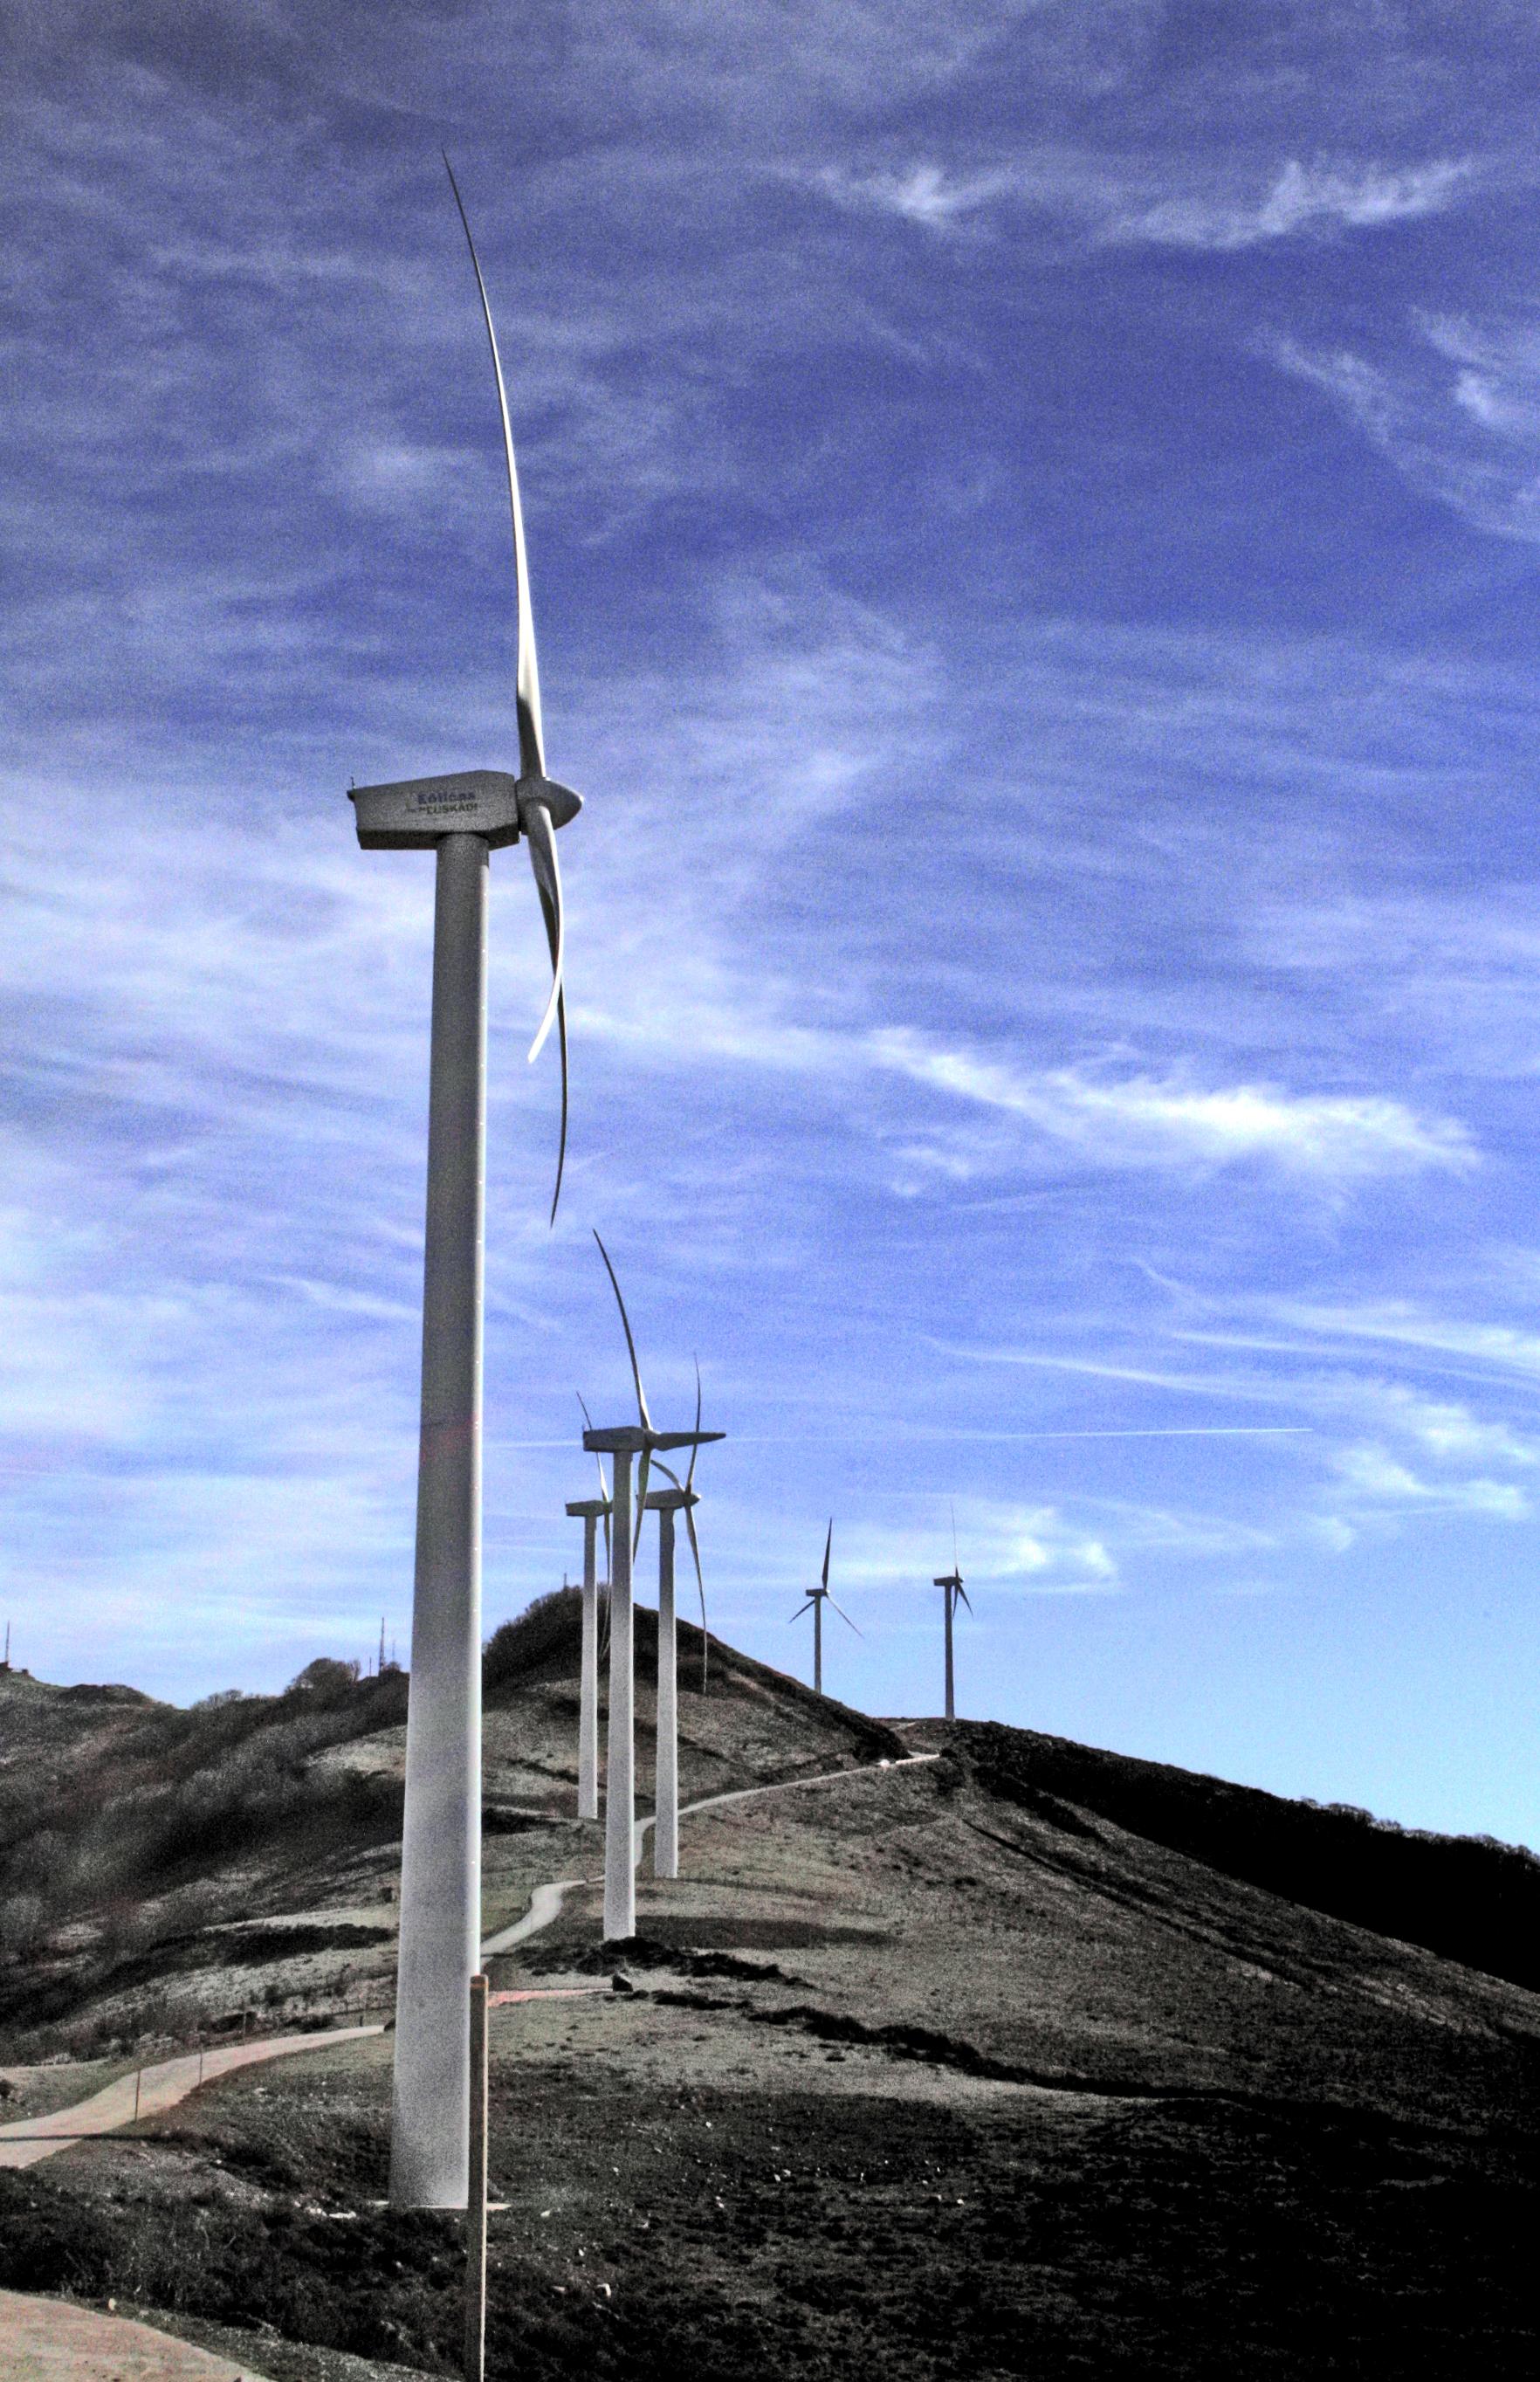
column 475, row 2206
column 588, row 1694
column 665, row 1826
column 951, row 1676
column 620, row 1773
column 441, row 1839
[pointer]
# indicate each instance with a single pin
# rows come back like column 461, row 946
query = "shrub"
column 545, row 1628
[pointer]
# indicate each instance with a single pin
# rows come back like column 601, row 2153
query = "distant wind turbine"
column 629, row 1439
column 951, row 1581
column 816, row 1600
column 463, row 818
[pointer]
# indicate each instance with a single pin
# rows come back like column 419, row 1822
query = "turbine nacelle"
column 414, row 814
column 633, row 1439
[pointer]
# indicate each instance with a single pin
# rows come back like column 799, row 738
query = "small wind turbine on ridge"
column 951, row 1582
column 816, row 1600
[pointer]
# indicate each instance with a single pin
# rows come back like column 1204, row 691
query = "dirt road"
column 48, row 2341
column 545, row 1902
column 147, row 2092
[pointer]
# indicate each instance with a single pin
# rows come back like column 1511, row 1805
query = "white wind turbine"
column 816, row 1600
column 638, row 1439
column 951, row 1582
column 463, row 818
column 592, row 1510
column 666, row 1504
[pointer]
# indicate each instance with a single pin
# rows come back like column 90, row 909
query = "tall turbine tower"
column 816, row 1600
column 463, row 818
column 951, row 1582
column 592, row 1510
column 629, row 1441
column 666, row 1504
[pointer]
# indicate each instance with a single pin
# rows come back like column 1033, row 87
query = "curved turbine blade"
column 603, row 1485
column 800, row 1610
column 700, row 1588
column 846, row 1618
column 532, row 750
column 956, row 1566
column 644, row 1468
column 827, row 1544
column 540, row 836
column 643, row 1415
column 689, row 1475
column 962, row 1592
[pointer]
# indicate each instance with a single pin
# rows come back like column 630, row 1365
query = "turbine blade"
column 690, row 1475
column 827, row 1544
column 541, row 837
column 603, row 1485
column 846, row 1618
column 532, row 745
column 956, row 1566
column 963, row 1594
column 800, row 1610
column 642, row 1471
column 645, row 1418
column 700, row 1588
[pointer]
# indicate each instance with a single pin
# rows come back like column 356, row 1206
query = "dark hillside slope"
column 927, row 2070
column 1468, row 1899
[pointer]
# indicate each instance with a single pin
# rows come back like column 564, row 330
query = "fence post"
column 475, row 2198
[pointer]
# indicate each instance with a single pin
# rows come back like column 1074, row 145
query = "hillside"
column 1023, row 2060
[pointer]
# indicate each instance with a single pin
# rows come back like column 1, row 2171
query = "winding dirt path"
column 545, row 1902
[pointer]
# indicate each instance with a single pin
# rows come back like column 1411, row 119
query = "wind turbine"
column 816, row 1600
column 951, row 1581
column 666, row 1504
column 592, row 1510
column 463, row 818
column 638, row 1439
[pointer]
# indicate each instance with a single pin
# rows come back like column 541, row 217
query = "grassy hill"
column 1031, row 2059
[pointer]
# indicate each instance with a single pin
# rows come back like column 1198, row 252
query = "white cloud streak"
column 1144, row 1122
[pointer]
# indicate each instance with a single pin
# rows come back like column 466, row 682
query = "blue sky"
column 1034, row 512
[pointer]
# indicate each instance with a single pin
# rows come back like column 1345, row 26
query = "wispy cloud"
column 1113, row 199
column 1453, row 404
column 1316, row 199
column 1035, row 1548
column 1144, row 1122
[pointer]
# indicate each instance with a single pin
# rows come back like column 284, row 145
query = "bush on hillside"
column 324, row 1677
column 545, row 1628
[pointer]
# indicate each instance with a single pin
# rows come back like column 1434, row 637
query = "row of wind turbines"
column 612, row 1509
